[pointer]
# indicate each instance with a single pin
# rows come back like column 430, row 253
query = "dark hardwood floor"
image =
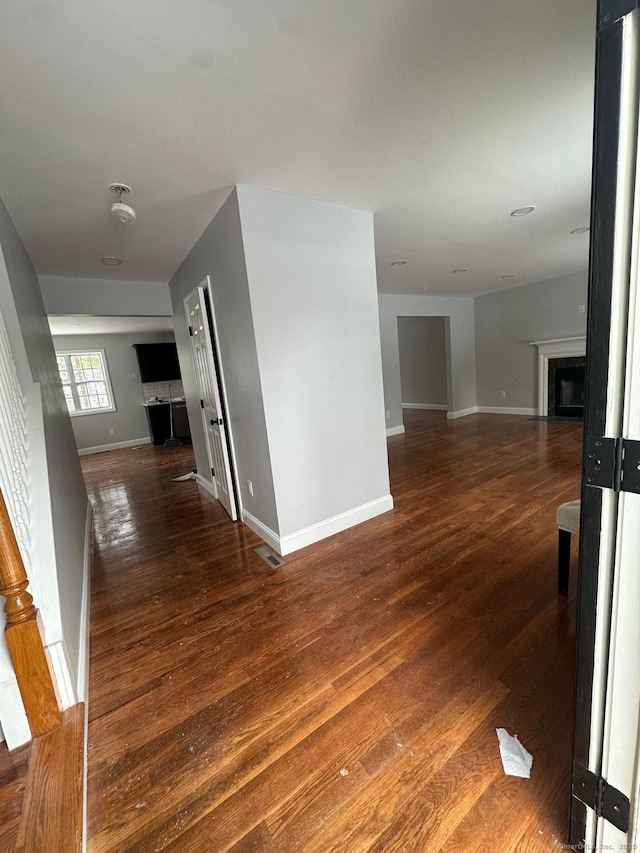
column 348, row 701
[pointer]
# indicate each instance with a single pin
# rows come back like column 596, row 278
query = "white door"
column 622, row 712
column 213, row 413
column 606, row 768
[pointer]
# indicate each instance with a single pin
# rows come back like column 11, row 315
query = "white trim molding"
column 207, row 486
column 82, row 685
column 396, row 430
column 557, row 348
column 316, row 532
column 432, row 407
column 59, row 666
column 117, row 445
column 462, row 413
column 335, row 524
column 505, row 410
column 272, row 539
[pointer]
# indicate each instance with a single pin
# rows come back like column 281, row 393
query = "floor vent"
column 269, row 557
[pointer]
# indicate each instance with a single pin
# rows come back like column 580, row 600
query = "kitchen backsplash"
column 152, row 390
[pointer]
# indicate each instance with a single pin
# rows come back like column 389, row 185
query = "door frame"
column 604, row 579
column 217, row 370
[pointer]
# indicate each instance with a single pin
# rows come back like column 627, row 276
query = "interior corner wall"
column 105, row 297
column 129, row 419
column 506, row 324
column 461, row 356
column 423, row 361
column 23, row 311
column 219, row 253
column 312, row 281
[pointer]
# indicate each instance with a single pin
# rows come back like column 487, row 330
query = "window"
column 85, row 382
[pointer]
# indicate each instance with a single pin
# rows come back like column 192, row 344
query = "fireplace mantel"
column 558, row 348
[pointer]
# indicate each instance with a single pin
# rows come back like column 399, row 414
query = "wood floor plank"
column 226, row 697
column 52, row 811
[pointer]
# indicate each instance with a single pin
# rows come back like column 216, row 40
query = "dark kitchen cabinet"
column 158, row 416
column 157, row 362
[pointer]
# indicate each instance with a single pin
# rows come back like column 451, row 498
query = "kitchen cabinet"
column 160, row 424
column 158, row 362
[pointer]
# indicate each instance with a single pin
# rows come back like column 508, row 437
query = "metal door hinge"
column 190, row 332
column 613, row 463
column 213, row 473
column 603, row 798
column 202, row 404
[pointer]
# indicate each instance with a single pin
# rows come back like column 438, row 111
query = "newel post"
column 23, row 635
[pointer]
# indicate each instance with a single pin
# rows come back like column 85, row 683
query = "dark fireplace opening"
column 566, row 387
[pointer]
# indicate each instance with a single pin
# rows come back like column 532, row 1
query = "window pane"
column 62, row 368
column 93, row 395
column 84, row 381
column 87, row 366
column 69, row 398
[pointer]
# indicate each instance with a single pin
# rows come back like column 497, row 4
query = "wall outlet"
column 250, row 487
column 503, row 394
column 388, row 415
column 112, row 431
column 135, row 376
column 580, row 309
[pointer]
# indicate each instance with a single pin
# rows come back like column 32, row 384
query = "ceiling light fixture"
column 523, row 211
column 120, row 211
column 110, row 262
column 398, row 263
column 582, row 230
column 462, row 269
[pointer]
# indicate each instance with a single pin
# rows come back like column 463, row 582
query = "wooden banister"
column 23, row 635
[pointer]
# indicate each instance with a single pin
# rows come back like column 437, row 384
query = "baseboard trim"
column 57, row 657
column 117, row 445
column 83, row 663
column 462, row 413
column 506, row 410
column 335, row 524
column 272, row 539
column 396, row 430
column 207, row 486
column 432, row 407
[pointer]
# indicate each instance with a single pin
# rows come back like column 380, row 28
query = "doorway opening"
column 423, row 344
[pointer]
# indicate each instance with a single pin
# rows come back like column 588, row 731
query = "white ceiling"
column 440, row 117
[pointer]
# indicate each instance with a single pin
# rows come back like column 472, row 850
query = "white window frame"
column 107, row 380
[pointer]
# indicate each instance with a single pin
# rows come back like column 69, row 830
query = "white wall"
column 423, row 360
column 461, row 356
column 508, row 321
column 105, row 297
column 129, row 420
column 60, row 487
column 294, row 288
column 312, row 280
column 220, row 254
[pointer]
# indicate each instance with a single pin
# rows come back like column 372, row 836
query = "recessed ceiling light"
column 74, row 325
column 110, row 262
column 398, row 263
column 462, row 269
column 511, row 275
column 582, row 230
column 523, row 211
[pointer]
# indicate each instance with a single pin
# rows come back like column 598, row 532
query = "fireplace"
column 565, row 351
column 565, row 386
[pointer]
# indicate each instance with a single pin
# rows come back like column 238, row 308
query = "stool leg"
column 564, row 560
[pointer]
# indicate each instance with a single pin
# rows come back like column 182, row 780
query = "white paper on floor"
column 190, row 476
column 515, row 758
